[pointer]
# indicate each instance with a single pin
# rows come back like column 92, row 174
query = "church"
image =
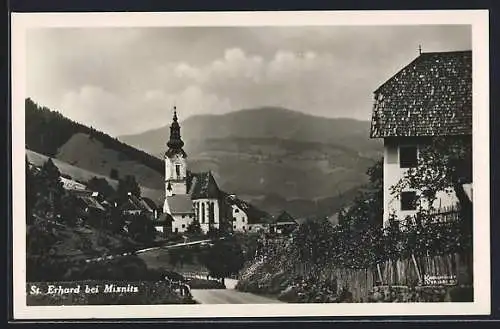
column 190, row 196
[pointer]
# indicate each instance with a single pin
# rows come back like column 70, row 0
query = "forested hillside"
column 47, row 131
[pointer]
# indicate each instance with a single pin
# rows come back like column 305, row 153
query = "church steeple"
column 175, row 143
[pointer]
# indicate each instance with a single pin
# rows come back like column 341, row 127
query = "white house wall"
column 178, row 184
column 257, row 227
column 240, row 223
column 181, row 222
column 393, row 173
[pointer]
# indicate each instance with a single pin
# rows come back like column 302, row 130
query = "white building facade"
column 399, row 156
column 240, row 219
column 430, row 97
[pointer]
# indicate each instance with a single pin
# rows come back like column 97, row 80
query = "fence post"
column 416, row 268
column 380, row 274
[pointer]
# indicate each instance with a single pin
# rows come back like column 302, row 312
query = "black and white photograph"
column 327, row 164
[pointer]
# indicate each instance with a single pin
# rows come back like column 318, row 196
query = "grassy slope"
column 88, row 153
column 83, row 175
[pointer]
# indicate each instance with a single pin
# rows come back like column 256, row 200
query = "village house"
column 163, row 224
column 139, row 206
column 283, row 224
column 430, row 97
column 246, row 217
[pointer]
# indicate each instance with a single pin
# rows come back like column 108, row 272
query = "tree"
column 142, row 229
column 114, row 219
column 31, row 191
column 367, row 208
column 128, row 185
column 313, row 241
column 50, row 189
column 194, row 228
column 445, row 164
column 223, row 259
column 101, row 186
column 69, row 209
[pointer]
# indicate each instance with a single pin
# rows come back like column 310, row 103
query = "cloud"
column 127, row 80
column 135, row 113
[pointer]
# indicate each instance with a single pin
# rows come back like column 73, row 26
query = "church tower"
column 175, row 161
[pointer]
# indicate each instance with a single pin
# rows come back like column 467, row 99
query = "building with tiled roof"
column 163, row 223
column 246, row 217
column 284, row 223
column 430, row 97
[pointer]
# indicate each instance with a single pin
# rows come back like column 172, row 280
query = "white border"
column 20, row 22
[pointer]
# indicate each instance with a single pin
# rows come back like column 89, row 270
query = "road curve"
column 229, row 296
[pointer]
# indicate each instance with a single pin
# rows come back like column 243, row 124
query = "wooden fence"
column 423, row 271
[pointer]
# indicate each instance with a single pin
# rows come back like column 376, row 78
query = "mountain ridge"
column 264, row 122
column 240, row 112
column 277, row 159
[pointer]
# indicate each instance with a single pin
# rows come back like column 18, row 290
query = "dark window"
column 183, row 225
column 243, row 228
column 407, row 156
column 236, row 210
column 234, row 227
column 408, row 201
column 178, row 170
column 202, row 213
column 176, row 229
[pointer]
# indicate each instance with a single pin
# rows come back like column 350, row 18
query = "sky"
column 127, row 80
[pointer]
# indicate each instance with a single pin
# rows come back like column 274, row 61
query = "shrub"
column 205, row 284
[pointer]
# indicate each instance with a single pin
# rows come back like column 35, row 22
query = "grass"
column 81, row 175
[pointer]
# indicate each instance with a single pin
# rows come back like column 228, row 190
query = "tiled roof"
column 285, row 217
column 255, row 215
column 432, row 96
column 151, row 204
column 180, row 204
column 203, row 186
column 91, row 202
column 164, row 218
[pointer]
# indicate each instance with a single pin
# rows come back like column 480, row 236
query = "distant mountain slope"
column 47, row 131
column 290, row 169
column 51, row 134
column 266, row 122
column 88, row 153
column 83, row 176
column 276, row 158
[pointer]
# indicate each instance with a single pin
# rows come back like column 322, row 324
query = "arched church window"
column 178, row 170
column 211, row 213
column 202, row 213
